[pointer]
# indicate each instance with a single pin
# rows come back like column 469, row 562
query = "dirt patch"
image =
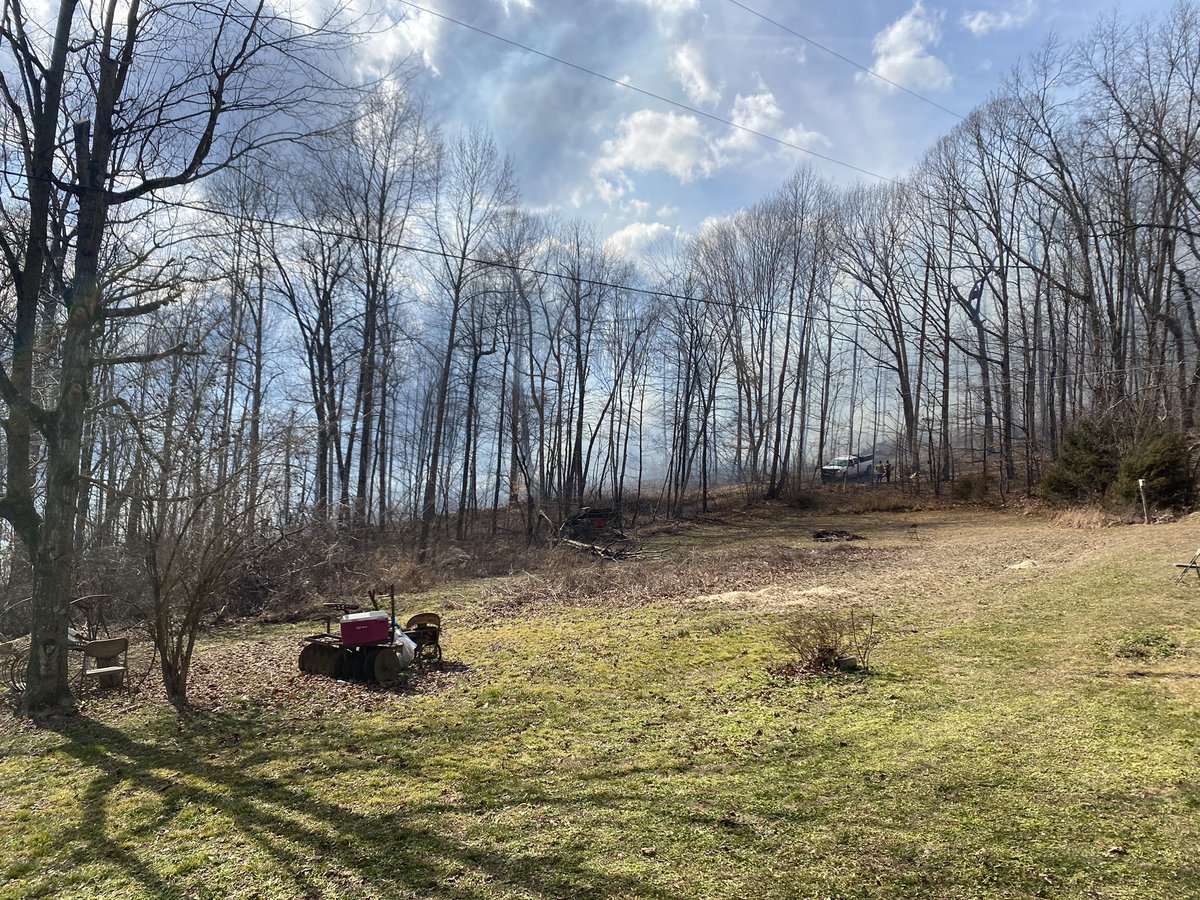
column 763, row 574
column 263, row 671
column 769, row 562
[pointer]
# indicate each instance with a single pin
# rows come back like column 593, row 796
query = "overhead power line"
column 497, row 263
column 206, row 210
column 845, row 59
column 958, row 378
column 286, row 225
column 660, row 97
column 595, row 282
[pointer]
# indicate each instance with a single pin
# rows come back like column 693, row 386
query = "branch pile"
column 617, row 548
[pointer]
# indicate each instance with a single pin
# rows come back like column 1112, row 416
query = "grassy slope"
column 1001, row 750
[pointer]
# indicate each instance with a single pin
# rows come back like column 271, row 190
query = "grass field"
column 1031, row 729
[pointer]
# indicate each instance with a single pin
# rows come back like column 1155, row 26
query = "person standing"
column 887, row 471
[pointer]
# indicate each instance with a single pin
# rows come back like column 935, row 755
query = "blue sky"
column 639, row 168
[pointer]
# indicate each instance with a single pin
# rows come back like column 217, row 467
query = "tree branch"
column 140, row 309
column 18, row 401
column 138, row 357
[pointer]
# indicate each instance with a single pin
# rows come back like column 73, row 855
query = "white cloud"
column 983, row 21
column 635, row 208
column 687, row 65
column 667, row 211
column 682, row 146
column 648, row 140
column 708, row 223
column 611, row 185
column 420, row 32
column 671, row 7
column 636, row 238
column 902, row 52
column 761, row 112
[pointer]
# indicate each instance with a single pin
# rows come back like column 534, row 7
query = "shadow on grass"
column 319, row 847
column 1141, row 673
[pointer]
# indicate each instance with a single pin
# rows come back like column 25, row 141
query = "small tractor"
column 369, row 645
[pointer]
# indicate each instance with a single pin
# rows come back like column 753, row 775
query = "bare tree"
column 473, row 187
column 146, row 99
column 196, row 512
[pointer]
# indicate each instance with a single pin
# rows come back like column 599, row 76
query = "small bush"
column 972, row 486
column 1087, row 465
column 819, row 636
column 1163, row 461
column 1083, row 517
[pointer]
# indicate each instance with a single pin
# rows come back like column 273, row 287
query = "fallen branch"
column 622, row 548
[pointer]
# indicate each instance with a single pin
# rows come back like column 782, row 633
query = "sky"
column 639, row 168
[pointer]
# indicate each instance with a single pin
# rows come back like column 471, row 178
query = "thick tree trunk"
column 47, row 687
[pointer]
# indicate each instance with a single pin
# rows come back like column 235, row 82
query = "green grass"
column 1003, row 748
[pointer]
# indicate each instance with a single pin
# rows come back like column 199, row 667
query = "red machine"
column 369, row 645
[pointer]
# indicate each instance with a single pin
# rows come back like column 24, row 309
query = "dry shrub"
column 1083, row 517
column 819, row 636
column 453, row 559
column 973, row 486
column 859, row 499
column 404, row 574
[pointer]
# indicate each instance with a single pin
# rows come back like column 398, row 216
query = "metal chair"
column 113, row 654
column 425, row 630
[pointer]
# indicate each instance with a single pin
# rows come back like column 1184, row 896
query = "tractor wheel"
column 18, row 665
column 385, row 666
column 341, row 664
column 308, row 658
column 326, row 661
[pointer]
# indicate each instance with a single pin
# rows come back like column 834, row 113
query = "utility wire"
column 845, row 59
column 595, row 282
column 499, row 264
column 959, row 378
column 626, row 84
column 209, row 211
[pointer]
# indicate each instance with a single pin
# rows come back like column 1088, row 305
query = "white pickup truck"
column 848, row 468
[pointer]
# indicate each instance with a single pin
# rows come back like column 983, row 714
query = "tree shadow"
column 320, row 846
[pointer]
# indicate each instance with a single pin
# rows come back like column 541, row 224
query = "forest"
column 247, row 302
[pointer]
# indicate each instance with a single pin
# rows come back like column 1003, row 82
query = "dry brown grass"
column 1087, row 517
column 689, row 575
column 861, row 499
